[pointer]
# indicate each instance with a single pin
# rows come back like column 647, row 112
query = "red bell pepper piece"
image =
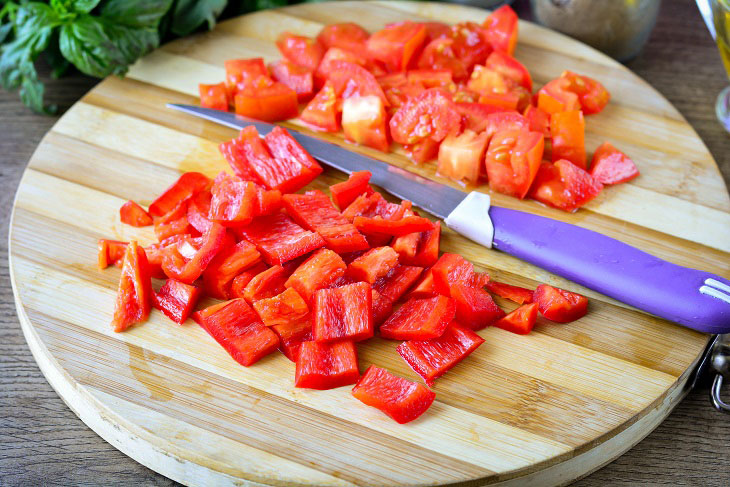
column 266, row 284
column 213, row 96
column 111, row 252
column 564, row 185
column 314, row 211
column 321, row 113
column 560, row 305
column 420, row 319
column 326, row 365
column 266, row 100
column 382, row 307
column 298, row 78
column 198, row 209
column 519, row 295
column 283, row 309
column 452, row 269
column 373, row 264
column 174, row 222
column 345, row 192
column 611, row 166
column 226, row 265
column 156, row 251
column 133, row 214
column 425, row 287
column 475, row 308
column 419, row 248
column 237, row 328
column 236, row 202
column 397, row 281
column 234, row 151
column 520, row 321
column 292, row 335
column 189, row 184
column 395, row 228
column 286, row 150
column 372, row 205
column 176, row 300
column 567, row 130
column 433, row 358
column 134, row 294
column 343, row 313
column 188, row 269
column 319, row 271
column 397, row 397
column 239, row 283
column 279, row 239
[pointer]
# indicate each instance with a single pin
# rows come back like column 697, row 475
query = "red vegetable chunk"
column 564, row 185
column 567, row 130
column 174, row 222
column 292, row 335
column 266, row 100
column 133, row 214
column 396, row 44
column 433, row 358
column 397, row 397
column 321, row 113
column 298, row 78
column 134, row 293
column 345, row 192
column 364, row 122
column 394, row 228
column 346, row 35
column 241, row 73
column 287, row 308
column 198, row 209
column 431, row 114
column 461, row 156
column 239, row 283
column 213, row 96
column 266, row 284
column 189, row 184
column 512, row 161
column 176, row 300
column 300, row 50
column 326, row 365
column 382, row 308
column 343, row 313
column 279, row 239
column 452, row 269
column 319, row 271
column 424, row 288
column 420, row 319
column 502, row 26
column 110, row 252
column 593, row 97
column 237, row 328
column 519, row 295
column 419, row 248
column 226, row 265
column 520, row 321
column 397, row 281
column 560, row 305
column 286, row 150
column 373, row 264
column 186, row 263
column 475, row 308
column 235, row 202
column 611, row 166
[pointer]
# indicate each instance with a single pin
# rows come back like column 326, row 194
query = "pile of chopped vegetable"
column 448, row 93
column 312, row 278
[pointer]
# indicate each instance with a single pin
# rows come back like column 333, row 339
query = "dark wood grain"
column 42, row 442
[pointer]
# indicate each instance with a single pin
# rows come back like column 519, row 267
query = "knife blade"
column 690, row 297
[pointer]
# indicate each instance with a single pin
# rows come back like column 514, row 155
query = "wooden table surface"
column 42, row 442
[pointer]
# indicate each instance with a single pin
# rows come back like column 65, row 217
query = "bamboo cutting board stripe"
column 540, row 409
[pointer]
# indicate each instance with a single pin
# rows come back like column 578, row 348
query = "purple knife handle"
column 616, row 269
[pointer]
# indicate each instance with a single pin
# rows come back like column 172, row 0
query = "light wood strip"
column 176, row 69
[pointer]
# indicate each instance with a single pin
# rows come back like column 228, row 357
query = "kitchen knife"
column 690, row 297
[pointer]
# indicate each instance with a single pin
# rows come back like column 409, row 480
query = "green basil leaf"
column 59, row 64
column 135, row 13
column 5, row 29
column 31, row 91
column 84, row 6
column 188, row 15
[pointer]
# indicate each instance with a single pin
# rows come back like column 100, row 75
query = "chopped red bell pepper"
column 133, row 214
column 226, row 265
column 452, row 269
column 283, row 309
column 156, row 251
column 235, row 202
column 176, row 300
column 382, row 307
column 237, row 328
column 187, row 268
column 424, row 288
column 564, row 185
column 397, row 281
column 266, row 284
column 433, row 358
column 611, row 166
column 372, row 205
column 235, row 153
column 419, row 249
column 111, row 252
column 397, row 397
column 519, row 295
column 239, row 283
column 287, row 151
column 560, row 305
column 321, row 113
column 420, row 319
column 345, row 192
column 520, row 321
column 279, row 239
column 314, row 211
column 213, row 96
column 395, row 228
column 298, row 78
column 326, row 365
column 198, row 209
column 319, row 271
column 292, row 335
column 174, row 222
column 475, row 308
column 373, row 264
column 134, row 294
column 189, row 184
column 343, row 313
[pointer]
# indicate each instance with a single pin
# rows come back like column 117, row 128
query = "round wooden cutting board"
column 542, row 409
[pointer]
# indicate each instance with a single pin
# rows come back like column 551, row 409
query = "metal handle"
column 720, row 361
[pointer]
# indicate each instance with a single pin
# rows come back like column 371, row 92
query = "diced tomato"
column 397, row 397
column 343, row 313
column 497, row 122
column 269, row 101
column 134, row 294
column 240, row 73
column 213, row 96
column 611, row 166
column 452, row 269
column 461, row 156
column 471, row 44
column 431, row 78
column 475, row 308
column 593, row 97
column 321, row 112
column 239, row 283
column 189, row 184
column 422, row 151
column 317, row 272
column 435, row 30
column 431, row 114
column 292, row 335
column 419, row 249
column 226, row 265
column 316, row 212
column 433, row 358
column 512, row 161
column 110, row 252
column 286, row 308
column 397, row 281
column 326, row 365
column 560, row 305
column 440, row 53
column 538, row 119
column 520, row 321
column 296, row 77
column 345, row 192
column 351, row 80
column 327, row 66
column 556, row 97
column 425, row 288
column 363, row 122
column 382, row 308
column 519, row 295
column 510, row 68
column 346, row 35
column 513, row 100
column 564, row 185
column 176, row 300
column 188, row 268
column 486, row 80
column 474, row 115
column 420, row 319
column 300, row 50
column 373, row 264
column 502, row 26
column 396, row 44
column 567, row 130
column 397, row 228
column 237, row 328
